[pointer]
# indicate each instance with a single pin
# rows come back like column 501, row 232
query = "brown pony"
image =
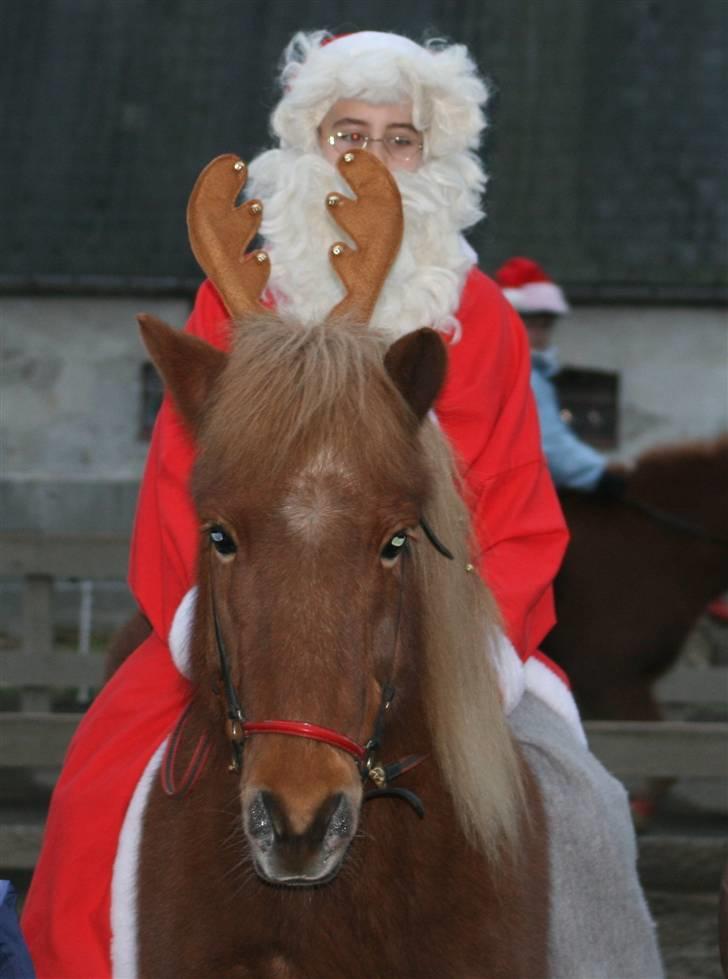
column 638, row 572
column 326, row 599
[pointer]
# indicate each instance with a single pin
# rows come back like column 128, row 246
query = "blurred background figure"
column 572, row 463
column 15, row 960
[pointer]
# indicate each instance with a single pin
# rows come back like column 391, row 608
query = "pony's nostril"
column 321, row 822
column 297, row 841
column 268, row 822
column 341, row 821
column 260, row 822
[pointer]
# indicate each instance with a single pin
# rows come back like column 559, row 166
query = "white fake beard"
column 424, row 285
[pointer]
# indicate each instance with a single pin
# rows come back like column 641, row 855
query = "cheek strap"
column 435, row 540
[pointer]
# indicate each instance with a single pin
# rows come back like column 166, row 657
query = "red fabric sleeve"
column 164, row 541
column 487, row 411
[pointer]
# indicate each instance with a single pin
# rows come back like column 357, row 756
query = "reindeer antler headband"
column 220, row 232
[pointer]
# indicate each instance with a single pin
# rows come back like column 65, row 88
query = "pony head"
column 310, row 485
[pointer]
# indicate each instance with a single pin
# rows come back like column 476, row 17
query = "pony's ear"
column 417, row 364
column 188, row 366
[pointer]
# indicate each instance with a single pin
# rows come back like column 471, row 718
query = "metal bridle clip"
column 378, row 776
column 234, row 730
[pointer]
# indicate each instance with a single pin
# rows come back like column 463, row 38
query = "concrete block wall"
column 70, row 411
column 71, row 399
column 673, row 368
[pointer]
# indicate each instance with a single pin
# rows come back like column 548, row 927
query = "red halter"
column 301, row 729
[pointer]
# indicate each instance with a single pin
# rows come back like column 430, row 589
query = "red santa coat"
column 486, row 410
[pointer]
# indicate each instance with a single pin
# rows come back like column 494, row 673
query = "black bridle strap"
column 383, row 775
column 406, row 795
column 375, row 741
column 235, row 716
column 674, row 522
column 235, row 711
column 435, row 540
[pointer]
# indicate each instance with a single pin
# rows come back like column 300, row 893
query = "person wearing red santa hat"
column 420, row 108
column 573, row 463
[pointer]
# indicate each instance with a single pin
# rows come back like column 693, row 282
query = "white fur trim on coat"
column 124, row 880
column 551, row 689
column 510, row 670
column 179, row 634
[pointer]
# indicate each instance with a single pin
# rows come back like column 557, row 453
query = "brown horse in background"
column 327, row 603
column 637, row 574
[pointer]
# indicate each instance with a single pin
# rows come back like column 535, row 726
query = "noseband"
column 238, row 729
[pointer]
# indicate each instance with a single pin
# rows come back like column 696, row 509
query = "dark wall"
column 607, row 150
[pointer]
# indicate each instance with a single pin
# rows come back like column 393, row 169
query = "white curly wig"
column 441, row 80
column 441, row 199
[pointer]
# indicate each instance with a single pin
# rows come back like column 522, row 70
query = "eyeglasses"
column 400, row 148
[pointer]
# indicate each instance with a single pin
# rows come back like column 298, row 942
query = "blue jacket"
column 14, row 958
column 572, row 463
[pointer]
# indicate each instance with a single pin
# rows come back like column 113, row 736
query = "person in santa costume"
column 573, row 463
column 420, row 109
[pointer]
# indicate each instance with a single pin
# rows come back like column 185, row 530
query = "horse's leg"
column 128, row 638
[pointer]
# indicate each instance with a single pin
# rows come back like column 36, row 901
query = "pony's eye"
column 222, row 541
column 394, row 547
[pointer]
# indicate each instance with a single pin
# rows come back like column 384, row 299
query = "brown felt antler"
column 220, row 230
column 374, row 221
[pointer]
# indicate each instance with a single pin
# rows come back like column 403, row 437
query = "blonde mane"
column 288, row 390
column 288, row 387
column 474, row 747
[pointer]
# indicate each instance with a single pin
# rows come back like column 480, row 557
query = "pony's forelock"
column 290, row 388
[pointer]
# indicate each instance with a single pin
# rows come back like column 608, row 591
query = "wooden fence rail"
column 38, row 561
column 35, row 738
column 58, row 556
column 694, row 685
